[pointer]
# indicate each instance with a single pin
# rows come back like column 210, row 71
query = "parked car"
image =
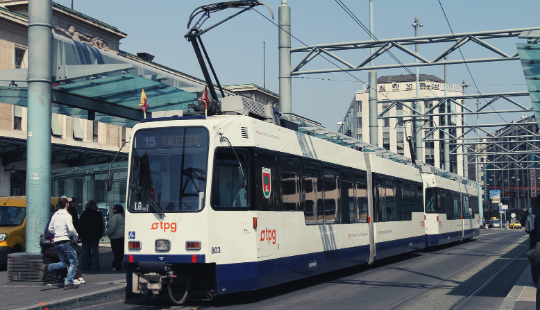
column 13, row 224
column 495, row 223
column 515, row 225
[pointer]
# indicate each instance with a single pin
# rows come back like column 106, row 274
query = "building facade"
column 391, row 132
column 517, row 176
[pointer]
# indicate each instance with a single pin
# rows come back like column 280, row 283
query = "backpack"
column 530, row 222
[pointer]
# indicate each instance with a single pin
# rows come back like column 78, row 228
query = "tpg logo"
column 270, row 235
column 164, row 226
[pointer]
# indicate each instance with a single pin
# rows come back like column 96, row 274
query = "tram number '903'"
column 216, row 250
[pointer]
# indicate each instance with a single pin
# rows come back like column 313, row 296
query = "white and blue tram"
column 232, row 203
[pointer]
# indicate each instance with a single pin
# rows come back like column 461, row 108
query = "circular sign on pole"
column 513, row 215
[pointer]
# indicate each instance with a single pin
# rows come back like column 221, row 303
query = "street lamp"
column 339, row 124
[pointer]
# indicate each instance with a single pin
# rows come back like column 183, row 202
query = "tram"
column 243, row 200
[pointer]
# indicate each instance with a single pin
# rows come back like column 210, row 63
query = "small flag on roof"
column 205, row 100
column 143, row 103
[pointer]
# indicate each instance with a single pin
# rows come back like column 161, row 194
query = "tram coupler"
column 151, row 277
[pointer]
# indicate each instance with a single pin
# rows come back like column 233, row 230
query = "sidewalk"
column 523, row 294
column 105, row 286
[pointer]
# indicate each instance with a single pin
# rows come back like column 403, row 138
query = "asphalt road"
column 477, row 274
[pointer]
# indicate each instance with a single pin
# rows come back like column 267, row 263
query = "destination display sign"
column 176, row 137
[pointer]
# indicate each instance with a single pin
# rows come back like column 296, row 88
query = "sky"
column 236, row 47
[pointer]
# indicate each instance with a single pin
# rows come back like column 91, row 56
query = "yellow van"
column 13, row 225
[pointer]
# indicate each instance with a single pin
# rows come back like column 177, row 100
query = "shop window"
column 18, row 183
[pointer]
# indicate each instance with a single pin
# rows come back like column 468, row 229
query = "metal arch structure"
column 382, row 46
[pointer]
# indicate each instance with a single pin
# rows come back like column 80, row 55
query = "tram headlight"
column 163, row 245
column 3, row 237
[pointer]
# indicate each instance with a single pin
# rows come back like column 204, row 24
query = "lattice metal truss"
column 382, row 46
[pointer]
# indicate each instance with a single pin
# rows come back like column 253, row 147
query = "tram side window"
column 290, row 190
column 400, row 207
column 420, row 199
column 348, row 209
column 390, row 200
column 457, row 206
column 408, row 201
column 291, row 184
column 360, row 183
column 379, row 206
column 466, row 207
column 313, row 194
column 227, row 191
column 473, row 203
column 266, row 179
column 331, row 196
column 431, row 200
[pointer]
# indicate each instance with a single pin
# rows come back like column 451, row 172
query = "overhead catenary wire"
column 463, row 57
column 324, row 57
column 357, row 20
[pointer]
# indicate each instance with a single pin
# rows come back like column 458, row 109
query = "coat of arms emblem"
column 267, row 188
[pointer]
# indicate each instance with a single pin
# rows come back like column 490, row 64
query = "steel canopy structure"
column 98, row 85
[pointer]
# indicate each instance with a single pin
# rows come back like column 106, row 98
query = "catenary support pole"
column 373, row 121
column 463, row 148
column 446, row 107
column 285, row 91
column 418, row 105
column 38, row 162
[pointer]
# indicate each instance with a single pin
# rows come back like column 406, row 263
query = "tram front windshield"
column 168, row 170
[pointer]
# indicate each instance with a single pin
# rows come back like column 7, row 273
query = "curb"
column 114, row 293
column 510, row 301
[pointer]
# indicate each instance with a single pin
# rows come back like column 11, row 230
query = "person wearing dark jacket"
column 72, row 211
column 91, row 227
column 534, row 237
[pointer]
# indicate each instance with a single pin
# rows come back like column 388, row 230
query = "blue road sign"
column 131, row 235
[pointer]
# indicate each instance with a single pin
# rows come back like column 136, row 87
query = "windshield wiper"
column 241, row 175
column 142, row 190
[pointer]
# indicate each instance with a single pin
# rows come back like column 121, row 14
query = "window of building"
column 399, row 106
column 423, row 86
column 359, row 106
column 382, row 88
column 409, row 86
column 19, row 57
column 56, row 128
column 386, row 122
column 18, row 183
column 386, row 140
column 399, row 122
column 123, row 129
column 17, row 117
column 427, row 104
column 77, row 129
column 359, row 136
column 95, row 131
column 359, row 122
column 395, row 87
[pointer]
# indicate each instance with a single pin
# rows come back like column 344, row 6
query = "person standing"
column 91, row 227
column 61, row 226
column 72, row 209
column 115, row 231
column 534, row 236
